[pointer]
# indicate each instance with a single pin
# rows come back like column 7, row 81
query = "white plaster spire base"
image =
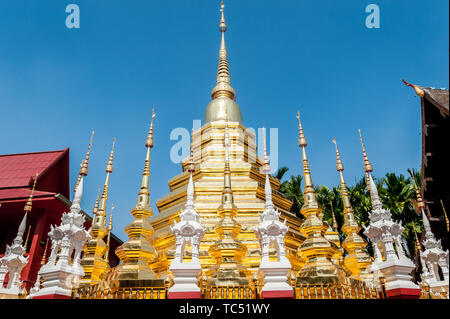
column 385, row 236
column 187, row 231
column 270, row 229
column 12, row 264
column 185, row 280
column 61, row 273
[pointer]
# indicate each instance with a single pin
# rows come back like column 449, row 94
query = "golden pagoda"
column 357, row 261
column 316, row 249
column 247, row 182
column 94, row 263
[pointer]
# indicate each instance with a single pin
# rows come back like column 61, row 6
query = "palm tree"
column 280, row 172
column 292, row 189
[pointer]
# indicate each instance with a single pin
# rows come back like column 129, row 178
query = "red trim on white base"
column 278, row 294
column 403, row 293
column 185, row 295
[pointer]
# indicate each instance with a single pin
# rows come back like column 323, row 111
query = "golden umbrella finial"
column 29, row 203
column 445, row 215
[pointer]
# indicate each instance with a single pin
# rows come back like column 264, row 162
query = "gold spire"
column 44, row 254
column 143, row 200
column 95, row 210
column 101, row 212
column 84, row 163
column 445, row 215
column 28, row 236
column 335, row 224
column 29, row 203
column 418, row 246
column 310, row 200
column 108, row 240
column 223, row 87
column 367, row 166
column 420, row 202
column 356, row 260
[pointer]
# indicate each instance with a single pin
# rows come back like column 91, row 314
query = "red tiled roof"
column 16, row 170
column 21, row 193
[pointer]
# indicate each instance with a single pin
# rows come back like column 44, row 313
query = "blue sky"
column 58, row 84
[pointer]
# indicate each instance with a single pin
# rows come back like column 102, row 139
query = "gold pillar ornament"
column 445, row 215
column 228, row 250
column 136, row 254
column 93, row 261
column 357, row 260
column 316, row 249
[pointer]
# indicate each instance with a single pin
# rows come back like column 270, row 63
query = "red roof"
column 18, row 170
column 21, row 193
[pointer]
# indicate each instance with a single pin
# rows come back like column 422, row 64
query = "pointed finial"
column 44, row 254
column 420, row 202
column 149, row 140
column 223, row 87
column 418, row 246
column 339, row 165
column 417, row 89
column 445, row 215
column 191, row 166
column 27, row 237
column 84, row 163
column 29, row 203
column 222, row 25
column 367, row 166
column 301, row 136
column 110, row 225
column 95, row 210
column 19, row 237
column 109, row 166
column 266, row 163
column 335, row 224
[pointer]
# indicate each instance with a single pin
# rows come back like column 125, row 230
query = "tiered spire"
column 223, row 87
column 84, row 163
column 445, row 216
column 228, row 250
column 94, row 263
column 357, row 260
column 143, row 200
column 101, row 213
column 368, row 169
column 108, row 240
column 137, row 253
column 316, row 249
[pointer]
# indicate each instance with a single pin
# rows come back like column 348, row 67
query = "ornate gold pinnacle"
column 367, row 166
column 29, row 203
column 356, row 260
